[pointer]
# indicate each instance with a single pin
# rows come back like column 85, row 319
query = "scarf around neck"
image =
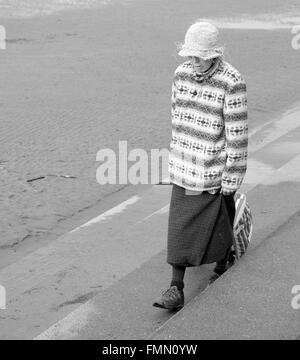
column 201, row 76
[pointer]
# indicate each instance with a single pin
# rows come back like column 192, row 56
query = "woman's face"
column 200, row 64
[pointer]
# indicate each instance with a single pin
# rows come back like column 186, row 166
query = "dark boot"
column 172, row 299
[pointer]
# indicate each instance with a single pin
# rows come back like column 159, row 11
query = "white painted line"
column 109, row 213
column 271, row 131
column 256, row 172
column 71, row 324
column 289, row 172
column 259, row 128
column 161, row 211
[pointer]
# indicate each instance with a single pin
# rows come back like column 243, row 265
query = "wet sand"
column 80, row 81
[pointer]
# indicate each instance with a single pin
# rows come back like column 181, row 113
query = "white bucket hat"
column 201, row 40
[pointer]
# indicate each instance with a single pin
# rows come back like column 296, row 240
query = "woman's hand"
column 227, row 192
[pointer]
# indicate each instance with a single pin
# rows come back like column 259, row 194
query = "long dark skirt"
column 200, row 227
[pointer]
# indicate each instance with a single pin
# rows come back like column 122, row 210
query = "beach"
column 77, row 81
column 30, row 8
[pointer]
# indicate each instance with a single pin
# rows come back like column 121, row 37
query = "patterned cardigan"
column 209, row 142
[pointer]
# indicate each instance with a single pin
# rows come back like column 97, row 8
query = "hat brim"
column 203, row 54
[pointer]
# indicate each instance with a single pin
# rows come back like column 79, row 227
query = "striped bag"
column 243, row 225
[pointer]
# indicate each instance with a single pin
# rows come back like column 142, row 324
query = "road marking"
column 161, row 211
column 109, row 213
column 289, row 172
column 271, row 131
column 71, row 324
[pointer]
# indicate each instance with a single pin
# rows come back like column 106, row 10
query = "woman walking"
column 208, row 158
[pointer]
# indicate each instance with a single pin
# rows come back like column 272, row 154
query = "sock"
column 178, row 276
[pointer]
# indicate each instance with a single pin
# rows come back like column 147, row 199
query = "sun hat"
column 201, row 40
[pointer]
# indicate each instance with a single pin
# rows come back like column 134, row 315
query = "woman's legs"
column 178, row 276
column 174, row 297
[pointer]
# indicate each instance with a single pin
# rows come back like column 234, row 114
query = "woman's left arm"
column 236, row 136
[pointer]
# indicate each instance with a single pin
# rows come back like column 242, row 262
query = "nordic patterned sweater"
column 209, row 142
